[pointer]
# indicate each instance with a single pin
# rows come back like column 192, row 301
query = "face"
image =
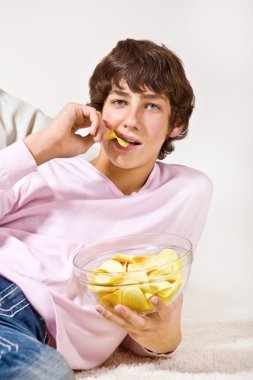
column 140, row 118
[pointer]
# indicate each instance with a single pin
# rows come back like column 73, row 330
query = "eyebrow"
column 143, row 96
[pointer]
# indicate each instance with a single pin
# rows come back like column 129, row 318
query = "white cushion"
column 18, row 119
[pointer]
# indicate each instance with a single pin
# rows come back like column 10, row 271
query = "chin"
column 128, row 161
column 123, row 164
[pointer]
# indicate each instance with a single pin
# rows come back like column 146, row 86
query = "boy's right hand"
column 59, row 139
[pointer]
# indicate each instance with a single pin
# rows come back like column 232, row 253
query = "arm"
column 57, row 140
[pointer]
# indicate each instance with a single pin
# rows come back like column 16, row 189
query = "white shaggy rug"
column 210, row 351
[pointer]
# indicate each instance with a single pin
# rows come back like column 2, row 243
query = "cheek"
column 159, row 131
column 111, row 117
column 158, row 135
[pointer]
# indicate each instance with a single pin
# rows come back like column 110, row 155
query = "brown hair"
column 144, row 64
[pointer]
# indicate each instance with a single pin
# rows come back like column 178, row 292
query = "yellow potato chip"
column 110, row 299
column 155, row 287
column 122, row 258
column 121, row 141
column 133, row 297
column 176, row 287
column 111, row 266
column 170, row 254
column 138, row 259
column 158, row 273
column 111, row 136
column 148, row 263
column 102, row 278
column 135, row 277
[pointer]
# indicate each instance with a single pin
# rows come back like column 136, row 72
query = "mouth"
column 123, row 140
column 129, row 139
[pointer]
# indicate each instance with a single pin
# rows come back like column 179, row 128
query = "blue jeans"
column 24, row 353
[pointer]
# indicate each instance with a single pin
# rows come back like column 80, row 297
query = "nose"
column 132, row 120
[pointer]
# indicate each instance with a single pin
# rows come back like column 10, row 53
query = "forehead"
column 123, row 89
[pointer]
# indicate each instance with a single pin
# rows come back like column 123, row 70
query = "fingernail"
column 120, row 310
column 155, row 300
column 92, row 129
column 99, row 309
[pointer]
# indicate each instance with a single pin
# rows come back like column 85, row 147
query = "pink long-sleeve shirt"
column 48, row 213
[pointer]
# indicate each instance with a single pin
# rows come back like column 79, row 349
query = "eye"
column 153, row 106
column 118, row 102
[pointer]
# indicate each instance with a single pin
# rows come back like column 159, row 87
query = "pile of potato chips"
column 133, row 281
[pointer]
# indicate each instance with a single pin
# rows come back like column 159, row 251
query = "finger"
column 80, row 116
column 95, row 118
column 160, row 307
column 82, row 144
column 131, row 317
column 83, row 116
column 164, row 311
column 110, row 316
column 105, row 132
column 101, row 129
column 89, row 141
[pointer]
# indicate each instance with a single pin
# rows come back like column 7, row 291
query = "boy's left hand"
column 158, row 332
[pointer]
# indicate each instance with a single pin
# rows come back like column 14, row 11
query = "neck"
column 126, row 180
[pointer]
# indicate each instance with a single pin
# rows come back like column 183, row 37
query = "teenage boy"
column 53, row 202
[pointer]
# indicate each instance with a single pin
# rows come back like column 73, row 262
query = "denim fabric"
column 24, row 353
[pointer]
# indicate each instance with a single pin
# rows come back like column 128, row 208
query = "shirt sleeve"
column 16, row 162
column 129, row 344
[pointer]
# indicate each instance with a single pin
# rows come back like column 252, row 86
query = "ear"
column 176, row 130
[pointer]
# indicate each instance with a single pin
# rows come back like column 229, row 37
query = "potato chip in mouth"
column 121, row 141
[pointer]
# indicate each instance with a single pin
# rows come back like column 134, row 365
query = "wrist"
column 166, row 346
column 40, row 146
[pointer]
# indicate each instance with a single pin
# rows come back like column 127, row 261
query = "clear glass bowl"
column 146, row 264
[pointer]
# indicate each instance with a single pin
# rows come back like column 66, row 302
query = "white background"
column 49, row 48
